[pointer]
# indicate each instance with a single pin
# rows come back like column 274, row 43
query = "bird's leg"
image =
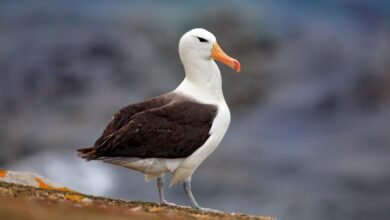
column 160, row 186
column 194, row 204
column 187, row 190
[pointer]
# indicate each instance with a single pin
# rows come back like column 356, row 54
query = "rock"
column 39, row 198
column 29, row 179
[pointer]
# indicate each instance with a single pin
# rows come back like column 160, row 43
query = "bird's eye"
column 202, row 39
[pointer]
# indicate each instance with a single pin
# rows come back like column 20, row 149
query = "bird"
column 174, row 132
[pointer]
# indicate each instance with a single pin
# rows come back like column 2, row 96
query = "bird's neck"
column 202, row 81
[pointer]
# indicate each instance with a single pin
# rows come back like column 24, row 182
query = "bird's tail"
column 88, row 153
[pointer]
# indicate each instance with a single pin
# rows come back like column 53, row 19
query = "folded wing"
column 173, row 128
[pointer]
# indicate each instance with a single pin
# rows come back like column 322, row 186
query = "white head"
column 198, row 49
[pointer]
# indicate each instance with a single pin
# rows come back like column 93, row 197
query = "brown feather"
column 168, row 126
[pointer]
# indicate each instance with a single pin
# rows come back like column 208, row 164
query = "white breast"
column 210, row 93
column 188, row 166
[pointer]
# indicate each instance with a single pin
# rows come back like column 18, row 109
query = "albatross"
column 174, row 132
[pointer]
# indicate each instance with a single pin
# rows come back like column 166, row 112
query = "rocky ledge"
column 19, row 199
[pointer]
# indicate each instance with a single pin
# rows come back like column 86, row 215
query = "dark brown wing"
column 124, row 115
column 173, row 130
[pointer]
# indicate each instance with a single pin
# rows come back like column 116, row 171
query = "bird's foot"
column 164, row 202
column 206, row 209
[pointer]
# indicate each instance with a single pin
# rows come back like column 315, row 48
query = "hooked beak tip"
column 237, row 66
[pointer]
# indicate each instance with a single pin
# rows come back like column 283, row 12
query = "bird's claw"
column 207, row 209
column 168, row 203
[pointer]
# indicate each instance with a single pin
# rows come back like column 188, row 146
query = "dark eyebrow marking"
column 201, row 39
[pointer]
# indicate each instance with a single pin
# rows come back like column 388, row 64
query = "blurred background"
column 310, row 131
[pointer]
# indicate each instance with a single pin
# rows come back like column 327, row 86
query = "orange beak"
column 218, row 54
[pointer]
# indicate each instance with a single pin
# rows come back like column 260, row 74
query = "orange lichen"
column 74, row 198
column 3, row 173
column 44, row 185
